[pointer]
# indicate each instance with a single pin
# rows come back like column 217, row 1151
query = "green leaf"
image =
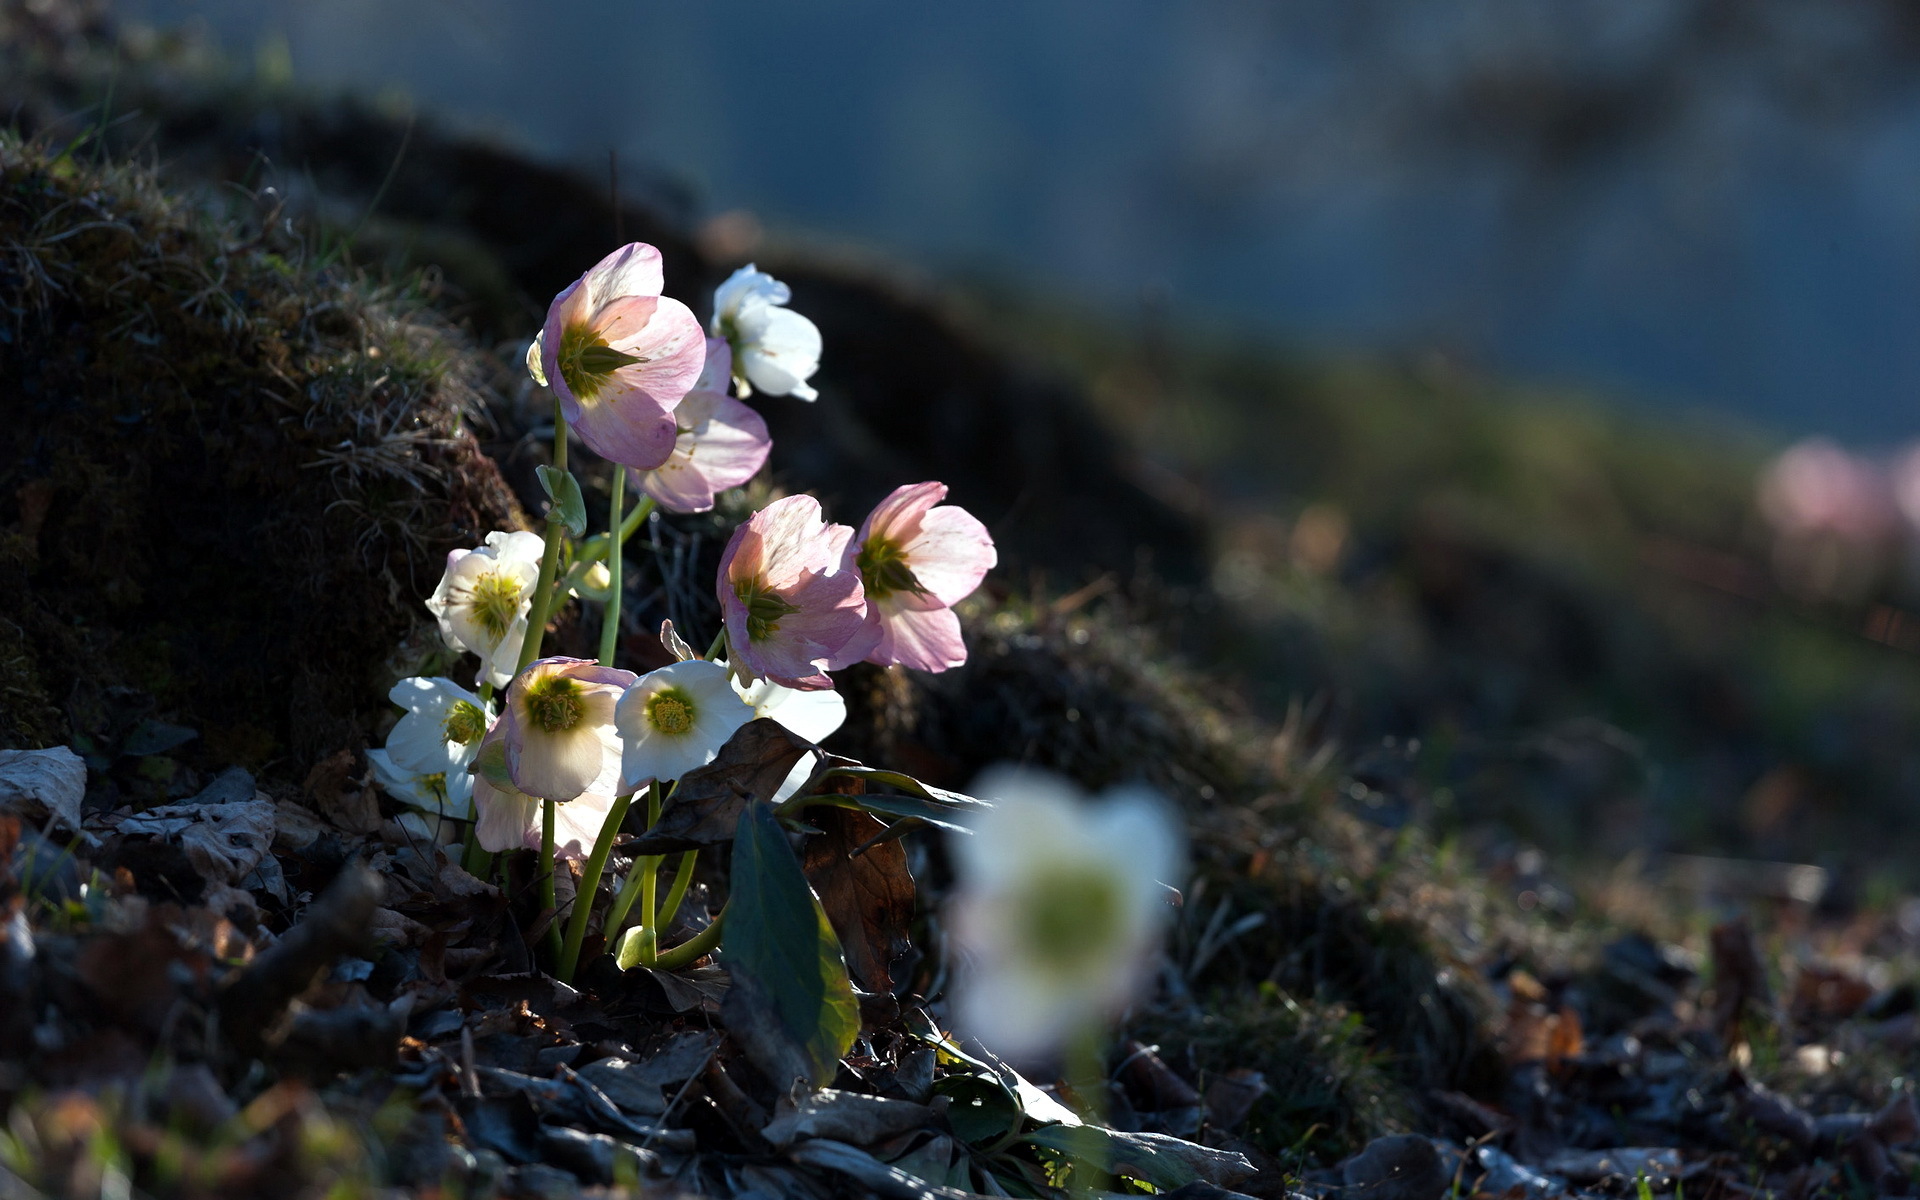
column 907, row 784
column 155, row 737
column 1164, row 1161
column 569, row 508
column 779, row 936
column 980, row 1109
column 900, row 808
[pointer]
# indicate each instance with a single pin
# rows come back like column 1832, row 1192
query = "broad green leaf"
column 980, row 1109
column 569, row 507
column 1155, row 1158
column 897, row 807
column 907, row 784
column 779, row 935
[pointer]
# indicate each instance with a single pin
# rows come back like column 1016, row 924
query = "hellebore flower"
column 774, row 348
column 915, row 562
column 557, row 723
column 483, row 598
column 508, row 819
column 722, row 443
column 788, row 606
column 446, row 794
column 676, row 719
column 441, row 731
column 1059, row 907
column 619, row 355
column 811, row 714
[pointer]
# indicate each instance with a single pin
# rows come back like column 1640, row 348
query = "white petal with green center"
column 676, row 719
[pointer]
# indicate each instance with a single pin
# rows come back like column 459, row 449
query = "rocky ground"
column 243, row 427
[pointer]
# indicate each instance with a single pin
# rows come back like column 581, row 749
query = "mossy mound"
column 227, row 471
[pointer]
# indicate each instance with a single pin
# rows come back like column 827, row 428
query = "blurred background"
column 1517, row 395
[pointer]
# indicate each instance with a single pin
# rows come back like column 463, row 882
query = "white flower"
column 557, row 723
column 446, row 794
column 774, row 348
column 813, row 714
column 483, row 598
column 442, row 729
column 676, row 719
column 1059, row 907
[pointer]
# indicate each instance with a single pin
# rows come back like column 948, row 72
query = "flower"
column 676, row 719
column 915, row 562
column 774, row 348
column 441, row 730
column 558, row 726
column 483, row 598
column 508, row 819
column 619, row 355
column 722, row 443
column 788, row 606
column 813, row 714
column 446, row 794
column 1059, row 905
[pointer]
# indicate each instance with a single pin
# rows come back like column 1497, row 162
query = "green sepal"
column 491, row 764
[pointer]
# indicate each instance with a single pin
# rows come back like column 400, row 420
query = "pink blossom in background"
column 620, row 356
column 789, row 606
column 916, row 558
column 558, row 725
column 1817, row 487
column 722, row 443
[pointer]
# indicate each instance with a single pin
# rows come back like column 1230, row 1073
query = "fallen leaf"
column 223, row 841
column 39, row 783
column 869, row 899
column 844, row 1117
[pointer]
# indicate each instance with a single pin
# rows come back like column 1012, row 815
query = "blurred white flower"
column 774, row 348
column 1060, row 906
column 483, row 598
column 676, row 719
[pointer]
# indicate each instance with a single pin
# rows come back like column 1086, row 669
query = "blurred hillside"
column 1532, row 619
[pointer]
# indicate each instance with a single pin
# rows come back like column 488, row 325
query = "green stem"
column 698, row 946
column 542, row 604
column 629, row 891
column 650, row 872
column 548, row 902
column 719, row 644
column 1087, row 1074
column 590, row 886
column 678, row 892
column 610, row 620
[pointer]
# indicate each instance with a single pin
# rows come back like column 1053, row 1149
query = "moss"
column 229, row 472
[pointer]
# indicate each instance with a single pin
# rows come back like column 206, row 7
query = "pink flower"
column 620, row 356
column 789, row 608
column 916, row 561
column 722, row 443
column 558, row 726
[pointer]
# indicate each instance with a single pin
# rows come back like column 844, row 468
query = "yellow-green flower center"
column 465, row 723
column 496, row 602
column 884, row 570
column 671, row 711
column 1071, row 916
column 765, row 608
column 555, row 704
column 587, row 362
column 434, row 785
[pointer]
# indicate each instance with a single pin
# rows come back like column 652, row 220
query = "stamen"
column 884, row 570
column 671, row 711
column 554, row 704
